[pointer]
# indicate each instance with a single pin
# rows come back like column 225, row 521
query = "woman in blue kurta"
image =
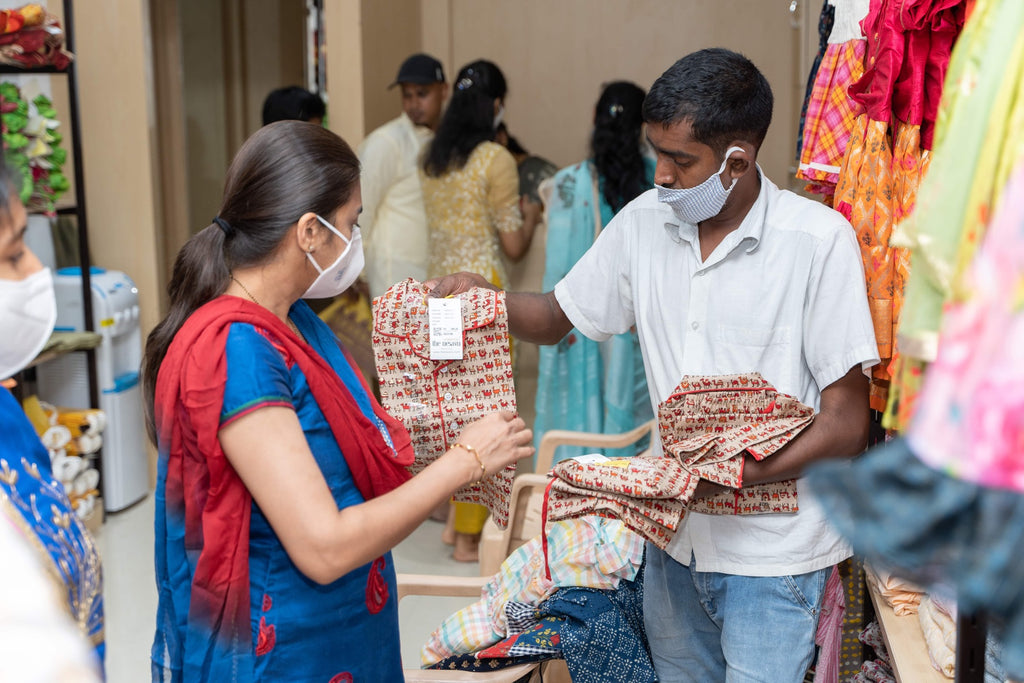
column 281, row 481
column 584, row 385
column 32, row 502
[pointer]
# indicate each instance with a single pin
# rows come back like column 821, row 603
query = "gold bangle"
column 472, row 451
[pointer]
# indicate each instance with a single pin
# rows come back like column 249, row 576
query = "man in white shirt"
column 722, row 272
column 393, row 221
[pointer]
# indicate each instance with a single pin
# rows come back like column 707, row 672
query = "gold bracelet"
column 472, row 451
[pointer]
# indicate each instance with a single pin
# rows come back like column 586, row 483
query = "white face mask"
column 340, row 275
column 696, row 204
column 28, row 312
column 499, row 116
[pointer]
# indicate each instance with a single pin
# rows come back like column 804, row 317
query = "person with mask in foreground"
column 282, row 484
column 51, row 585
column 723, row 273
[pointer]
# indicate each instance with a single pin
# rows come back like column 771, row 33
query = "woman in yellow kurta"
column 471, row 183
column 471, row 196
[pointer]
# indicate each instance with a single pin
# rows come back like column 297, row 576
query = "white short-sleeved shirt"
column 782, row 295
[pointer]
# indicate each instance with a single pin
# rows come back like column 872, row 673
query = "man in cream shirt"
column 393, row 222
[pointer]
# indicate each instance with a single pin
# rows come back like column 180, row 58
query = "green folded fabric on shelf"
column 63, row 342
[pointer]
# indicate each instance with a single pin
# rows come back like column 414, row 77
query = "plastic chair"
column 528, row 493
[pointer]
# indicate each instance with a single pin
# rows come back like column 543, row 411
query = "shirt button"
column 448, row 396
column 695, row 324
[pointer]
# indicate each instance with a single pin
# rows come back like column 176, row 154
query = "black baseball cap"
column 419, row 68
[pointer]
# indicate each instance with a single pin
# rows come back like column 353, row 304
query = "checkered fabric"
column 520, row 616
column 831, row 113
column 603, row 636
column 589, row 551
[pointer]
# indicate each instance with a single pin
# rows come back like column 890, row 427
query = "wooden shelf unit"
column 905, row 642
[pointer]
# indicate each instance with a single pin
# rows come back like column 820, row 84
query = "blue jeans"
column 705, row 627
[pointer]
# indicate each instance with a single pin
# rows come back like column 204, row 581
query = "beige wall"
column 205, row 108
column 345, row 83
column 391, row 32
column 366, row 42
column 273, row 52
column 233, row 53
column 557, row 53
column 118, row 144
column 554, row 61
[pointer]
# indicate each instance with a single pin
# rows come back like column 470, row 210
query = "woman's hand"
column 532, row 211
column 499, row 439
column 457, row 283
column 268, row 449
column 517, row 243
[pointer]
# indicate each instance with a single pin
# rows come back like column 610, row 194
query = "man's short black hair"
column 719, row 92
column 292, row 104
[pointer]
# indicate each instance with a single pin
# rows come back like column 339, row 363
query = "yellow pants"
column 469, row 518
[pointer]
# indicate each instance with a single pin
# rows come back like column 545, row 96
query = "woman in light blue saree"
column 584, row 385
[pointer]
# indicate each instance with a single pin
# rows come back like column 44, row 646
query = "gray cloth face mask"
column 695, row 204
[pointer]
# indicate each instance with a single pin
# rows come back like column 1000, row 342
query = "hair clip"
column 464, row 84
column 615, row 109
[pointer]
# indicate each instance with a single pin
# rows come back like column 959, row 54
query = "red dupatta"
column 203, row 487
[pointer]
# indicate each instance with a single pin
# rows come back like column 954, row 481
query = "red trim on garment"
column 437, row 398
column 718, row 389
column 544, row 528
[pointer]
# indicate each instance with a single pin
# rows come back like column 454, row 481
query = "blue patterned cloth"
column 470, row 662
column 600, row 633
column 603, row 637
column 38, row 507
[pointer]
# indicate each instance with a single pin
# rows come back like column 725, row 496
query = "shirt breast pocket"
column 767, row 350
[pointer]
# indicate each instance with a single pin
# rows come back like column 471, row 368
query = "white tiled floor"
column 126, row 544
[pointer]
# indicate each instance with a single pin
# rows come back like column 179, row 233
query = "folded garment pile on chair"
column 591, row 552
column 707, row 427
column 588, row 612
column 436, row 399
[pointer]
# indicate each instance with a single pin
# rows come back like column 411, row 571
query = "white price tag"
column 445, row 319
column 590, row 459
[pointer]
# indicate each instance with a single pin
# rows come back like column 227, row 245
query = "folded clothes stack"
column 708, row 426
